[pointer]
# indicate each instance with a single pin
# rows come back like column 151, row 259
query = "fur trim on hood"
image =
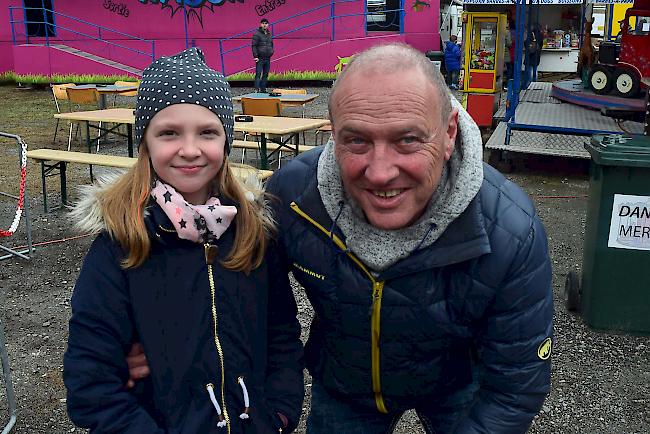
column 88, row 218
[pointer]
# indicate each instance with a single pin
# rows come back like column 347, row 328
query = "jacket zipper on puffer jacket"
column 210, row 256
column 375, row 320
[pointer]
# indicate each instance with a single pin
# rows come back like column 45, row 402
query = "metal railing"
column 331, row 18
column 50, row 37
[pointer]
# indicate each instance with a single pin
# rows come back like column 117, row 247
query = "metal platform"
column 573, row 92
column 538, row 143
column 547, row 126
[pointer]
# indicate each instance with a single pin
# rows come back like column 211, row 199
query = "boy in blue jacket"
column 452, row 61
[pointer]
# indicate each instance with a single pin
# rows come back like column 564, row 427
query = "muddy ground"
column 601, row 381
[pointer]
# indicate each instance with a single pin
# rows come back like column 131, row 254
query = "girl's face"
column 186, row 145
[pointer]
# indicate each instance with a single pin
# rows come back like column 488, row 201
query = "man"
column 452, row 61
column 262, row 51
column 428, row 271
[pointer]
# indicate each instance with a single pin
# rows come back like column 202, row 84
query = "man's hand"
column 137, row 362
column 256, row 59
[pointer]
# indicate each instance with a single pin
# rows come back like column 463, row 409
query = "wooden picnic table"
column 285, row 98
column 263, row 125
column 106, row 89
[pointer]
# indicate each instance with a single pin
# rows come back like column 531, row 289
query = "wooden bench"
column 54, row 161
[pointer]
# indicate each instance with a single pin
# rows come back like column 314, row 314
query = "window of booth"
column 383, row 15
column 484, row 37
column 39, row 17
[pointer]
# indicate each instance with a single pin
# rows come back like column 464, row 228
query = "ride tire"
column 600, row 79
column 572, row 293
column 626, row 82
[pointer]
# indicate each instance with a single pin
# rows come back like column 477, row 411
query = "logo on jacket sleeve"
column 544, row 350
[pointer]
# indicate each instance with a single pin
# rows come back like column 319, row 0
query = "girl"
column 183, row 263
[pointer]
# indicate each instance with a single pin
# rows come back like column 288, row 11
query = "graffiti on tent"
column 196, row 7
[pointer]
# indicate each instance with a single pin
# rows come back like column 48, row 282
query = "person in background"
column 533, row 46
column 186, row 265
column 452, row 61
column 262, row 46
column 428, row 271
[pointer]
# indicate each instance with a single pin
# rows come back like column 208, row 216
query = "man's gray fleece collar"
column 379, row 249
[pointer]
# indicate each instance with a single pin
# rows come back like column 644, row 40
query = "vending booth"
column 483, row 64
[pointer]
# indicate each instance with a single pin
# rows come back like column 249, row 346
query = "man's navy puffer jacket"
column 476, row 304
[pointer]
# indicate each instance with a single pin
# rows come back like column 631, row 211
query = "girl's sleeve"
column 284, row 375
column 101, row 332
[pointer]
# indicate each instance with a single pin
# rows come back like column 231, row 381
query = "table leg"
column 264, row 164
column 44, row 186
column 89, row 148
column 129, row 138
column 64, row 189
column 102, row 101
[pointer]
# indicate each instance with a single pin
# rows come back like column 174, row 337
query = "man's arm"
column 254, row 43
column 284, row 372
column 514, row 348
column 101, row 331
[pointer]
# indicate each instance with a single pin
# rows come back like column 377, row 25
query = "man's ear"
column 451, row 133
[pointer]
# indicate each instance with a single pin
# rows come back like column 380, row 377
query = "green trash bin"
column 614, row 292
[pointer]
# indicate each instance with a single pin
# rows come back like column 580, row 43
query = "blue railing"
column 54, row 36
column 332, row 18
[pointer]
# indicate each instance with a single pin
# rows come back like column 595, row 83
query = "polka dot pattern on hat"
column 183, row 79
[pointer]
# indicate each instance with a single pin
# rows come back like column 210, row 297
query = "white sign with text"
column 629, row 227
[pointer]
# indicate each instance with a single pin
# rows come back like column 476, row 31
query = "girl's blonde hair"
column 123, row 206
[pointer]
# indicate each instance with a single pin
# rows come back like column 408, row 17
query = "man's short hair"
column 264, row 21
column 396, row 57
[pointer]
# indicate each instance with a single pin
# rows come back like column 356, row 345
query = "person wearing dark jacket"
column 262, row 46
column 452, row 61
column 186, row 264
column 428, row 271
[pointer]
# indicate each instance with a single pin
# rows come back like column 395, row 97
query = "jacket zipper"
column 210, row 256
column 375, row 320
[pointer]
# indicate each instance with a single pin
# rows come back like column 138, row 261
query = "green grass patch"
column 11, row 77
column 287, row 76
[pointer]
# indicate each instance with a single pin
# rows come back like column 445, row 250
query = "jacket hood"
column 87, row 216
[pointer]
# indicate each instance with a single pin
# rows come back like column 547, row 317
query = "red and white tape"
column 21, row 196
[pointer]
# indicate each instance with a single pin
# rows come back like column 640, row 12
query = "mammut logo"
column 309, row 272
column 544, row 350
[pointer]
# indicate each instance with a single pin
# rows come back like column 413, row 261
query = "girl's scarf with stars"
column 198, row 223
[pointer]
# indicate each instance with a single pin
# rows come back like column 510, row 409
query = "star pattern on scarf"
column 167, row 196
column 183, row 223
column 219, row 220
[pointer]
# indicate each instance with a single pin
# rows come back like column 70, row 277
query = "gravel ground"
column 601, row 381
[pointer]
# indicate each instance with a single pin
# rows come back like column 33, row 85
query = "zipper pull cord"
column 244, row 415
column 222, row 422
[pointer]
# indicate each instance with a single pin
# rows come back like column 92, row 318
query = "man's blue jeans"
column 330, row 414
column 262, row 68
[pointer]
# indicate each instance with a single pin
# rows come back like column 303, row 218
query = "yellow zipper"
column 210, row 256
column 375, row 320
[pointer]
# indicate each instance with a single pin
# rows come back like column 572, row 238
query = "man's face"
column 264, row 25
column 391, row 144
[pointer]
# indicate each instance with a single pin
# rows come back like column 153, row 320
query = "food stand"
column 559, row 24
column 484, row 40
